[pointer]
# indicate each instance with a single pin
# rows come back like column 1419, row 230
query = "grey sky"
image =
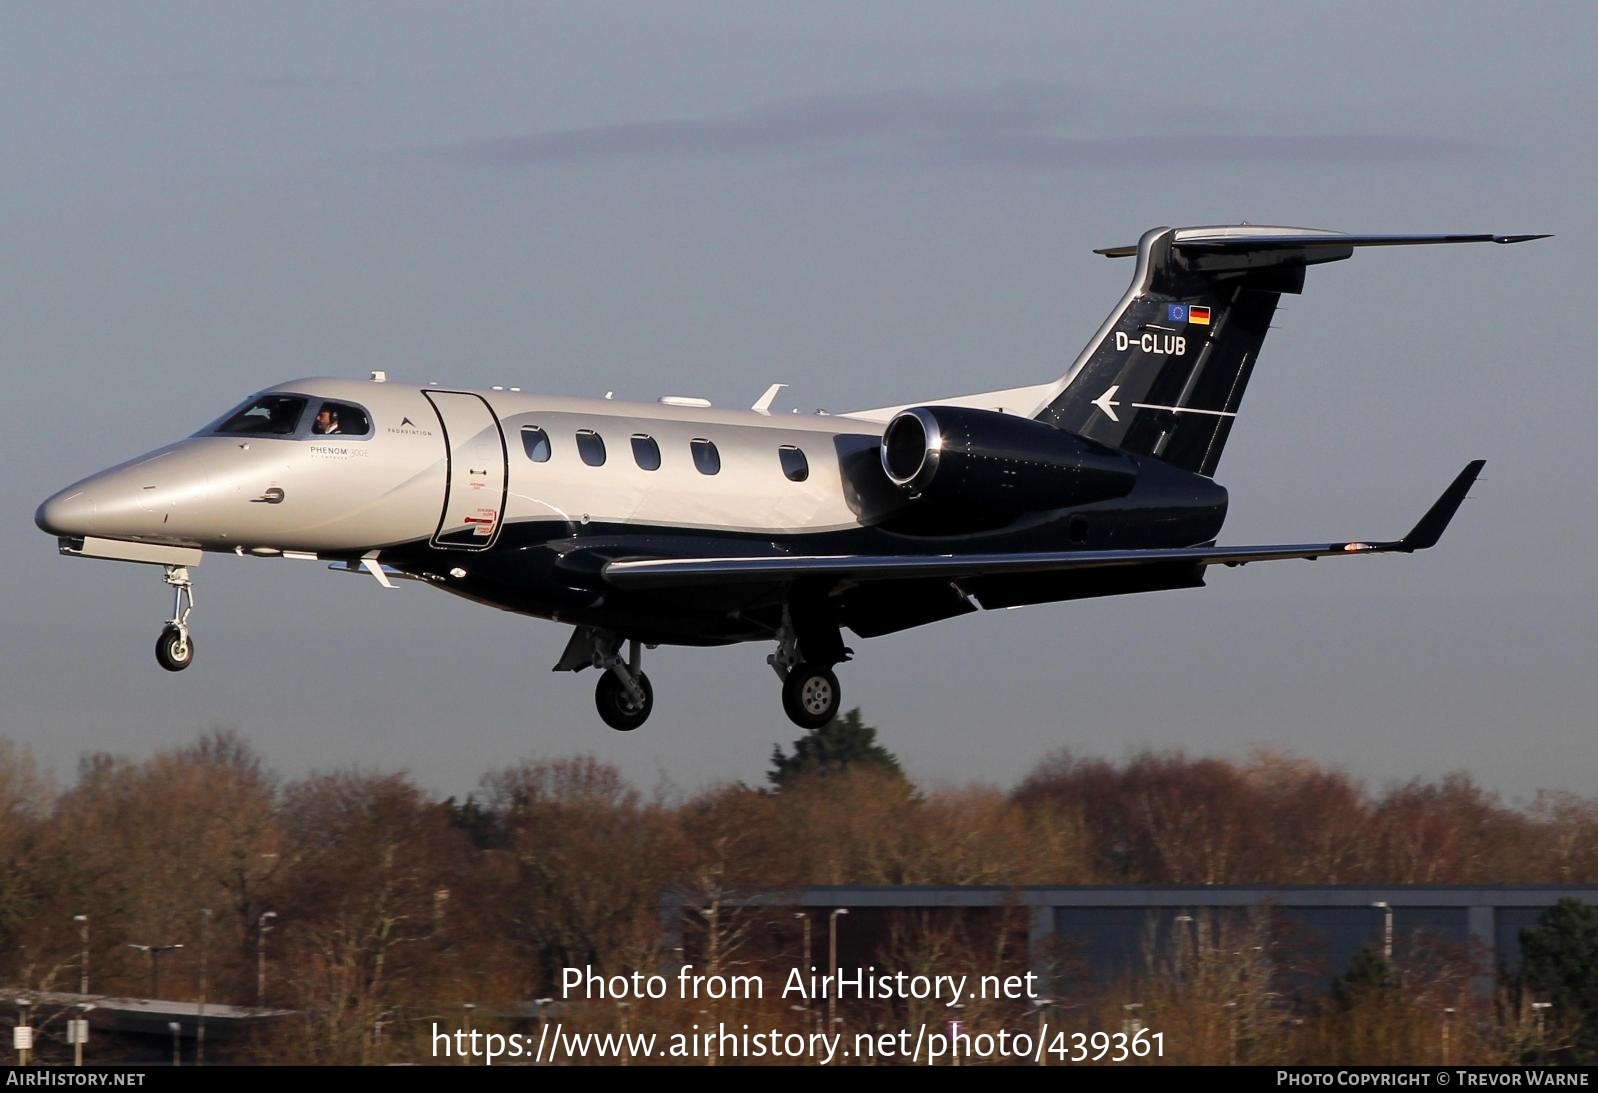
column 872, row 203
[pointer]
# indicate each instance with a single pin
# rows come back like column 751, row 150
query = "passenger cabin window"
column 794, row 464
column 270, row 415
column 646, row 452
column 706, row 458
column 535, row 442
column 591, row 446
column 341, row 419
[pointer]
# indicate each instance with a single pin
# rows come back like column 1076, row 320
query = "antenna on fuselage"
column 763, row 403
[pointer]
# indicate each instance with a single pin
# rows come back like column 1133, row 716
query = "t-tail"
column 1165, row 375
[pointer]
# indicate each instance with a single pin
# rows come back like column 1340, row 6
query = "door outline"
column 449, row 473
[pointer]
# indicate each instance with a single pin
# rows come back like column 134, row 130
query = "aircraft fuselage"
column 506, row 498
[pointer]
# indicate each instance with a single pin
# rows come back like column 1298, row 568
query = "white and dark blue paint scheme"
column 677, row 522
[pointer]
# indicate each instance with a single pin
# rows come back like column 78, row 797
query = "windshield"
column 271, row 415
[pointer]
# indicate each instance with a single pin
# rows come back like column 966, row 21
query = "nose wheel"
column 624, row 707
column 623, row 696
column 174, row 650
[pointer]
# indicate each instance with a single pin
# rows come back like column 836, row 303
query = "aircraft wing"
column 659, row 573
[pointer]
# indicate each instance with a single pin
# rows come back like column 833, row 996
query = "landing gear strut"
column 174, row 650
column 811, row 696
column 623, row 695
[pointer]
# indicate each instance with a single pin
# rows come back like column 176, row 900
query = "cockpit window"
column 340, row 418
column 271, row 415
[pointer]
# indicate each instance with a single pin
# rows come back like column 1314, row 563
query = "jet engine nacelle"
column 979, row 462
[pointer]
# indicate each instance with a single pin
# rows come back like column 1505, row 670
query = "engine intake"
column 998, row 465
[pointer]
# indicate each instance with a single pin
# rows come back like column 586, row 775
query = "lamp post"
column 805, row 915
column 199, row 1032
column 83, row 957
column 261, row 930
column 466, row 1009
column 177, row 1042
column 23, row 1033
column 1541, row 1010
column 154, row 953
column 1182, row 928
column 78, row 1032
column 1043, row 1007
column 832, row 980
column 1387, row 928
column 626, row 1044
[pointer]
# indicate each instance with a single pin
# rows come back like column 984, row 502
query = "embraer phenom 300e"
column 680, row 523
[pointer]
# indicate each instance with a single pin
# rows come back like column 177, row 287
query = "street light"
column 1541, row 1010
column 832, row 981
column 1387, row 929
column 1042, row 1009
column 83, row 959
column 154, row 952
column 1181, row 938
column 467, row 1008
column 626, row 1044
column 261, row 930
column 177, row 1043
column 805, row 915
column 23, row 1033
column 199, row 1033
column 78, row 1032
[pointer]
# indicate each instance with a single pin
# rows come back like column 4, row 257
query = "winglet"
column 1431, row 526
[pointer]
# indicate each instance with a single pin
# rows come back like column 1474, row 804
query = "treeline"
column 367, row 901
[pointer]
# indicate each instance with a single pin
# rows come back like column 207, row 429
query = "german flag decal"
column 1198, row 315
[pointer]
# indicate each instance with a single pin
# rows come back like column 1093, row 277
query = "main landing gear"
column 803, row 661
column 810, row 692
column 174, row 650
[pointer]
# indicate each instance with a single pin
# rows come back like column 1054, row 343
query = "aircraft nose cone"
column 69, row 512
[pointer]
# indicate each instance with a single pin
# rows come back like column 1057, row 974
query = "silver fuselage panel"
column 450, row 467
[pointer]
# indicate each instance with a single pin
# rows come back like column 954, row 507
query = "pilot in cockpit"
column 326, row 420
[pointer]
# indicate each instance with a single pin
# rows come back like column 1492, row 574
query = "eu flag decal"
column 1176, row 313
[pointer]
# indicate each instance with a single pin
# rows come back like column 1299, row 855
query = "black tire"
column 616, row 706
column 810, row 696
column 174, row 651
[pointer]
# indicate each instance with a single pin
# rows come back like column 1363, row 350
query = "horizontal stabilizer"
column 667, row 573
column 1241, row 240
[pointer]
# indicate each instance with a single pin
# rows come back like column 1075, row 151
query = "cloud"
column 1032, row 126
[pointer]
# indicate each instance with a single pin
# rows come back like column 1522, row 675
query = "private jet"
column 677, row 522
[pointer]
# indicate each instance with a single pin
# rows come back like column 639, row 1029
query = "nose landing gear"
column 174, row 650
column 624, row 704
column 623, row 696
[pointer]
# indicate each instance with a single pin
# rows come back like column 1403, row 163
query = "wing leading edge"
column 659, row 573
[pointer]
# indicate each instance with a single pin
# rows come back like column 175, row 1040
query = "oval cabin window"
column 591, row 446
column 706, row 458
column 794, row 464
